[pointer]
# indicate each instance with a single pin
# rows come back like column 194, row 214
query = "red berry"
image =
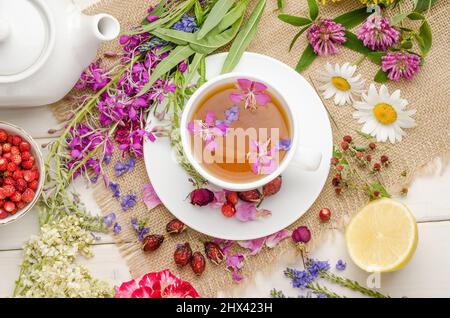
column 340, row 168
column 214, row 252
column 16, row 197
column 344, row 145
column 21, row 205
column 334, row 161
column 16, row 140
column 33, row 185
column 3, row 135
column 325, row 214
column 347, row 139
column 29, row 175
column 17, row 175
column 6, row 147
column 198, row 263
column 3, row 214
column 16, row 159
column 27, row 165
column 228, row 210
column 28, row 195
column 9, row 181
column 24, row 146
column 2, row 194
column 372, row 146
column 7, row 156
column 9, row 207
column 376, row 166
column 232, row 197
column 338, row 191
column 183, row 254
column 152, row 242
column 250, row 196
column 335, row 182
column 11, row 167
column 273, row 187
column 8, row 190
column 3, row 164
column 15, row 150
column 384, row 159
column 25, row 156
column 359, row 155
column 368, row 158
column 175, row 227
column 21, row 185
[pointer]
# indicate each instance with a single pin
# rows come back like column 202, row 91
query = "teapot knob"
column 5, row 30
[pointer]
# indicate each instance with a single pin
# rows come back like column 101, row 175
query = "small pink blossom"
column 325, row 35
column 252, row 93
column 207, row 130
column 263, row 159
column 377, row 34
column 151, row 199
column 399, row 65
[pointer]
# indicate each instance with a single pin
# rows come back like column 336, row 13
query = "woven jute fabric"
column 428, row 92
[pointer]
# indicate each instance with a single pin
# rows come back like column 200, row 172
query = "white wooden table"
column 427, row 274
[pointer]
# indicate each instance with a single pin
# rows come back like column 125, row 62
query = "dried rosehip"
column 175, row 227
column 344, row 145
column 384, row 159
column 152, row 242
column 273, row 187
column 228, row 209
column 183, row 254
column 201, row 197
column 372, row 146
column 250, row 196
column 198, row 263
column 214, row 252
column 347, row 139
column 368, row 158
column 232, row 197
column 376, row 166
column 359, row 155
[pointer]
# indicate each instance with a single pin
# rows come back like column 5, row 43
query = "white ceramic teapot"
column 44, row 47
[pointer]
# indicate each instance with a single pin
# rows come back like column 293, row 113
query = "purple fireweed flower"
column 263, row 158
column 399, row 65
column 109, row 219
column 131, row 42
column 186, row 24
column 112, row 109
column 377, row 34
column 252, row 93
column 341, row 265
column 182, row 67
column 208, row 130
column 325, row 35
column 128, row 201
column 115, row 188
column 139, row 228
column 160, row 90
column 117, row 228
column 152, row 18
column 231, row 115
column 94, row 77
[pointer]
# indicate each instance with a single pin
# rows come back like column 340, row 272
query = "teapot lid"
column 25, row 37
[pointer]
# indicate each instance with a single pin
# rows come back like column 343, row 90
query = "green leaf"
column 363, row 134
column 193, row 67
column 352, row 18
column 353, row 43
column 406, row 44
column 380, row 77
column 297, row 36
column 158, row 11
column 293, row 20
column 306, row 59
column 244, row 38
column 313, row 9
column 218, row 11
column 422, row 5
column 281, row 4
column 427, row 39
column 399, row 18
column 199, row 13
column 375, row 57
column 379, row 188
column 233, row 15
column 415, row 16
column 179, row 54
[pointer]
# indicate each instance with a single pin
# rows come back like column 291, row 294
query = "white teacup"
column 303, row 158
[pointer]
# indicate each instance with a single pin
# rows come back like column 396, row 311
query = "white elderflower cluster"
column 49, row 268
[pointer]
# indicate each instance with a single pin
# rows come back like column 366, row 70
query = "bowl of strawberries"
column 21, row 173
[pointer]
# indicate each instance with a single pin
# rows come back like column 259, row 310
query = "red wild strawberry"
column 6, row 147
column 3, row 214
column 232, row 197
column 33, row 185
column 344, row 145
column 3, row 135
column 368, row 158
column 17, row 175
column 183, row 254
column 2, row 202
column 36, row 174
column 214, row 252
column 15, row 150
column 175, row 227
column 16, row 159
column 27, row 165
column 2, row 194
column 273, row 187
column 198, row 263
column 16, row 197
column 9, row 207
column 8, row 190
column 9, row 181
column 376, row 167
column 152, row 242
column 28, row 195
column 11, row 167
column 228, row 210
column 7, row 156
column 21, row 185
column 25, row 156
column 24, row 146
column 3, row 164
column 16, row 140
column 359, row 155
column 29, row 175
column 21, row 205
column 384, row 159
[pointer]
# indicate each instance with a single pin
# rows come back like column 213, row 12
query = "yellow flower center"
column 340, row 83
column 385, row 113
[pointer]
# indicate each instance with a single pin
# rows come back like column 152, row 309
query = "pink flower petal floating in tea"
column 249, row 212
column 208, row 130
column 252, row 93
column 262, row 158
column 151, row 199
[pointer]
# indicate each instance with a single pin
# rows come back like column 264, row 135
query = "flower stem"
column 350, row 284
column 318, row 289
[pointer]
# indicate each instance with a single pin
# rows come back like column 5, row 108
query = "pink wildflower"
column 325, row 35
column 377, row 34
column 400, row 64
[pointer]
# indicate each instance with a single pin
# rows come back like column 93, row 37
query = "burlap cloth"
column 428, row 92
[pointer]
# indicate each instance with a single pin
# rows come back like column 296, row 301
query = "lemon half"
column 382, row 237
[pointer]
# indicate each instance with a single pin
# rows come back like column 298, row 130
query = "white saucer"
column 299, row 190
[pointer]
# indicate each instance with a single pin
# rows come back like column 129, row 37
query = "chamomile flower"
column 340, row 82
column 383, row 114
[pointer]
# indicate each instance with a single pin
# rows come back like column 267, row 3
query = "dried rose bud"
column 301, row 235
column 152, row 242
column 368, row 158
column 338, row 191
column 183, row 254
column 201, row 197
column 376, row 166
column 384, row 159
column 214, row 252
column 334, row 161
column 344, row 145
column 273, row 187
column 359, row 155
column 335, row 182
column 175, row 227
column 250, row 196
column 198, row 263
column 347, row 139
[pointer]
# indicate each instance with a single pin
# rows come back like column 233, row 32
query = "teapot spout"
column 105, row 27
